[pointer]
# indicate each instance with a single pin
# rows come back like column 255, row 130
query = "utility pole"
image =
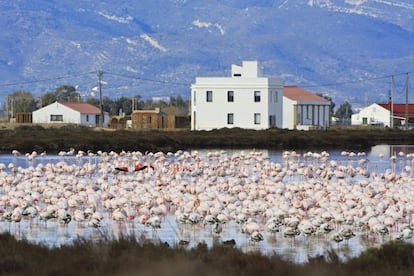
column 392, row 103
column 101, row 119
column 406, row 102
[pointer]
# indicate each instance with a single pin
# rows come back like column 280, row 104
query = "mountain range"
column 344, row 49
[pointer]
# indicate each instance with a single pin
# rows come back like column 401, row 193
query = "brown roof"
column 297, row 93
column 399, row 109
column 83, row 108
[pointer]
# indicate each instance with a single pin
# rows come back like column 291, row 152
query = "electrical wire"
column 45, row 80
column 187, row 84
column 354, row 81
column 146, row 79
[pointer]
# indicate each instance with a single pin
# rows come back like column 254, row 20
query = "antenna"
column 101, row 119
column 391, row 102
column 406, row 102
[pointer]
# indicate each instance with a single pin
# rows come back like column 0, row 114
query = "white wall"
column 375, row 114
column 245, row 80
column 210, row 115
column 42, row 115
column 91, row 120
column 288, row 113
column 70, row 116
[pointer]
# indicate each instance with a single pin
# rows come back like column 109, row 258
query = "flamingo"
column 337, row 237
column 94, row 223
column 243, row 188
column 210, row 220
column 272, row 226
column 154, row 222
column 64, row 217
column 16, row 216
column 139, row 167
column 256, row 236
column 218, row 228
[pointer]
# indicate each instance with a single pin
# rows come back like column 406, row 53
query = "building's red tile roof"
column 297, row 93
column 83, row 108
column 399, row 109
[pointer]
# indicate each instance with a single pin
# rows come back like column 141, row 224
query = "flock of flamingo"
column 304, row 196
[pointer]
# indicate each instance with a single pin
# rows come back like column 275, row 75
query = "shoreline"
column 54, row 139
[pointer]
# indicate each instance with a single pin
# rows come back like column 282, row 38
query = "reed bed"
column 53, row 139
column 137, row 256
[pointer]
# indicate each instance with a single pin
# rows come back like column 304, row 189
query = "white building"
column 245, row 100
column 70, row 113
column 380, row 115
column 304, row 110
column 373, row 114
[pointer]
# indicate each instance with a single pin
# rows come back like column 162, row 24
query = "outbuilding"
column 304, row 110
column 70, row 113
column 385, row 115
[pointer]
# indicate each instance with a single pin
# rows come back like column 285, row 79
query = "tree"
column 64, row 93
column 344, row 111
column 94, row 102
column 20, row 101
column 124, row 104
column 109, row 106
column 329, row 99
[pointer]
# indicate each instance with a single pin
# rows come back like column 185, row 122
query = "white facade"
column 64, row 114
column 372, row 115
column 303, row 110
column 245, row 100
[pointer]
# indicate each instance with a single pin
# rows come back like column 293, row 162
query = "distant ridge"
column 346, row 50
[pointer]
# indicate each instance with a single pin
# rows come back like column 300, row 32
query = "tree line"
column 22, row 101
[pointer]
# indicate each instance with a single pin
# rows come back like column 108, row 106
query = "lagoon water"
column 297, row 249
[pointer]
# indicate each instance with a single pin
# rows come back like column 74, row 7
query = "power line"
column 146, row 79
column 186, row 84
column 45, row 80
column 354, row 81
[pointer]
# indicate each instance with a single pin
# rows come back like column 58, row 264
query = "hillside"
column 345, row 49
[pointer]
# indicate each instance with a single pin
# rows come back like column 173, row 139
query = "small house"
column 70, row 113
column 383, row 114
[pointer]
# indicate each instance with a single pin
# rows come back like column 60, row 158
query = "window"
column 230, row 118
column 276, row 95
column 230, row 96
column 256, row 96
column 56, row 118
column 364, row 120
column 209, row 96
column 87, row 117
column 257, row 118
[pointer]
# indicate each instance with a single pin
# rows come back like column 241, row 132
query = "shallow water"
column 298, row 249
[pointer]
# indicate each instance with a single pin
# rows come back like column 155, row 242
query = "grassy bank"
column 29, row 138
column 129, row 256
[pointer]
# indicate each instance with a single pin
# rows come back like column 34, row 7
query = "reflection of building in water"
column 389, row 150
column 231, row 152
